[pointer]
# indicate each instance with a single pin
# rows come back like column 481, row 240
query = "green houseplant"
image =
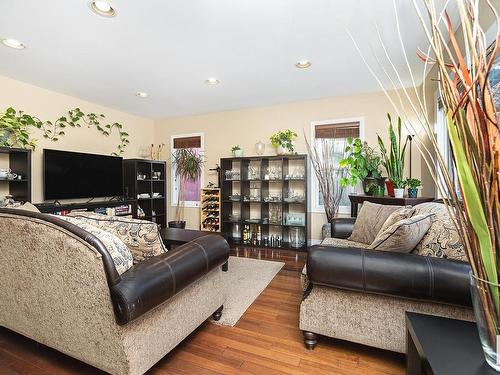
column 362, row 164
column 283, row 141
column 399, row 187
column 188, row 165
column 413, row 185
column 393, row 159
column 14, row 129
column 237, row 151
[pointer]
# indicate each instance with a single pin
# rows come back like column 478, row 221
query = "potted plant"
column 283, row 141
column 399, row 187
column 237, row 151
column 362, row 164
column 394, row 159
column 14, row 129
column 188, row 165
column 413, row 185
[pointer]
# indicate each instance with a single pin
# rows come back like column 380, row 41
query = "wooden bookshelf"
column 19, row 161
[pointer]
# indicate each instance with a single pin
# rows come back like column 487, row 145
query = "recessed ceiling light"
column 303, row 64
column 212, row 81
column 102, row 8
column 13, row 43
column 142, row 94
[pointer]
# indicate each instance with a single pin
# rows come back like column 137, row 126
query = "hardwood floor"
column 266, row 340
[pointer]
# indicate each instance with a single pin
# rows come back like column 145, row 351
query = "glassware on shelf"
column 293, row 196
column 298, row 173
column 273, row 173
column 253, row 172
column 236, row 233
column 260, row 147
column 275, row 214
column 296, row 237
column 275, row 197
column 232, row 174
column 295, row 219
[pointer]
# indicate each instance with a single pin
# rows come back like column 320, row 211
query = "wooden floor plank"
column 265, row 341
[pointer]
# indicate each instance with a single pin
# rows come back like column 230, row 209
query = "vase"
column 390, row 187
column 412, row 192
column 238, row 153
column 369, row 184
column 399, row 193
column 280, row 150
column 486, row 318
column 260, row 147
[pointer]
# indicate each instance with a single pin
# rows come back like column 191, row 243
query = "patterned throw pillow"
column 398, row 215
column 141, row 237
column 403, row 236
column 26, row 207
column 370, row 219
column 122, row 258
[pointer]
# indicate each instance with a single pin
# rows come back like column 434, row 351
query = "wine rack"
column 210, row 209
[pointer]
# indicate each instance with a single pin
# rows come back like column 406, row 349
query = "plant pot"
column 399, row 193
column 486, row 319
column 280, row 150
column 390, row 187
column 177, row 224
column 378, row 191
column 369, row 185
column 238, row 153
column 412, row 192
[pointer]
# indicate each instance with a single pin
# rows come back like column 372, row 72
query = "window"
column 191, row 188
column 336, row 132
column 443, row 142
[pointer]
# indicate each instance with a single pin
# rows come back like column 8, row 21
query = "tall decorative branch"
column 329, row 175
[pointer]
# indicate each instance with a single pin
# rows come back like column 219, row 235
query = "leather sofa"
column 60, row 287
column 361, row 295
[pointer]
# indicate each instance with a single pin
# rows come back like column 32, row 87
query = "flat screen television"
column 71, row 175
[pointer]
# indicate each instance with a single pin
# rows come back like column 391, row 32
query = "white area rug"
column 245, row 280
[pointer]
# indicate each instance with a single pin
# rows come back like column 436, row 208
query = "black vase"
column 177, row 224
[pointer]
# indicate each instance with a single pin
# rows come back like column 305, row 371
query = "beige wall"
column 249, row 126
column 49, row 105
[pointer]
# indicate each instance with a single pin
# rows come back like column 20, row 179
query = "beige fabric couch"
column 55, row 291
column 376, row 319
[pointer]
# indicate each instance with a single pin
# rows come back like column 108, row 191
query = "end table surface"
column 392, row 201
column 443, row 346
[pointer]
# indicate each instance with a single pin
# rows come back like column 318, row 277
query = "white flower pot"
column 282, row 151
column 238, row 153
column 399, row 193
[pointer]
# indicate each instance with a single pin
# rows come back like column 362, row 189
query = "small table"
column 391, row 201
column 443, row 346
column 176, row 236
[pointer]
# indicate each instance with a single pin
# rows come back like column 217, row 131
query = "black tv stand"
column 56, row 207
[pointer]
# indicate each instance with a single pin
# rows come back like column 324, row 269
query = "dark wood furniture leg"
column 225, row 267
column 354, row 209
column 413, row 361
column 217, row 314
column 310, row 340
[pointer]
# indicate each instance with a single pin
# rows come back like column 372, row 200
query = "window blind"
column 187, row 142
column 339, row 130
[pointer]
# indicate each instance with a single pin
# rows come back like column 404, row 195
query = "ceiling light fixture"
column 142, row 94
column 102, row 8
column 13, row 43
column 303, row 64
column 212, row 81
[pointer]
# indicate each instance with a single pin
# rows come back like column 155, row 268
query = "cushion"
column 370, row 219
column 340, row 242
column 122, row 258
column 26, row 207
column 442, row 239
column 398, row 215
column 141, row 237
column 403, row 236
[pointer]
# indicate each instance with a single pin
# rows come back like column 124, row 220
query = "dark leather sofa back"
column 395, row 274
column 153, row 281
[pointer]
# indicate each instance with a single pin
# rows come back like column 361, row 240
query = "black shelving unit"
column 142, row 176
column 254, row 190
column 20, row 164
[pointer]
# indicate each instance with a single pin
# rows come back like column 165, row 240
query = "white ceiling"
column 169, row 47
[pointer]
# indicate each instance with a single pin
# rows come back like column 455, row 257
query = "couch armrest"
column 342, row 227
column 155, row 280
column 394, row 274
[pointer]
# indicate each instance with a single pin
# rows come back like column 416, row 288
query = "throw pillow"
column 398, row 215
column 403, row 236
column 142, row 237
column 370, row 219
column 26, row 207
column 122, row 258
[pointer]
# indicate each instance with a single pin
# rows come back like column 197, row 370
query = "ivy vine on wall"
column 15, row 125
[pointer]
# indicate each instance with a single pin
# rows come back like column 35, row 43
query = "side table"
column 443, row 346
column 356, row 199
